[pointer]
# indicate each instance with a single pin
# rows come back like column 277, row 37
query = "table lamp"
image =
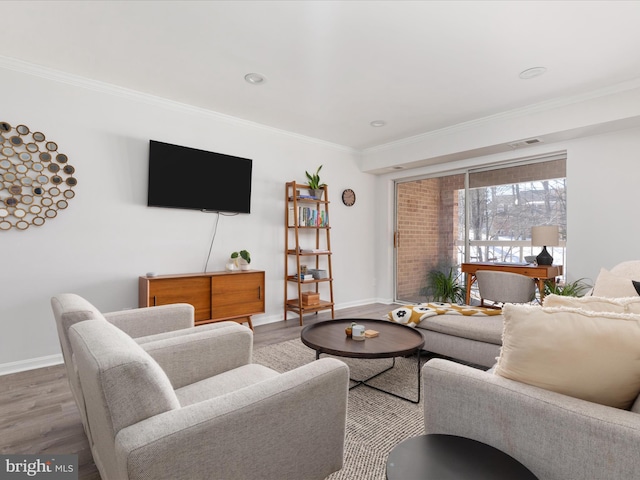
column 545, row 236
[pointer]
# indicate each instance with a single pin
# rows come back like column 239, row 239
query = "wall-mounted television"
column 183, row 177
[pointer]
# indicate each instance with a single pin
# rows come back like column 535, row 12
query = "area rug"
column 376, row 422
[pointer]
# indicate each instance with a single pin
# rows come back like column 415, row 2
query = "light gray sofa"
column 189, row 404
column 475, row 340
column 557, row 437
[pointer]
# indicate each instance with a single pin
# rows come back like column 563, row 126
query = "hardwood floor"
column 38, row 414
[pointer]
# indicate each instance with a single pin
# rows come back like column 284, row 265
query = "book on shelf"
column 304, row 277
column 313, row 250
column 302, row 197
column 308, row 217
column 292, row 217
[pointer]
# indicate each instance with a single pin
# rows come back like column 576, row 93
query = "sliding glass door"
column 479, row 215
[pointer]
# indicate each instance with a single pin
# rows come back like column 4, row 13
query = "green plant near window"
column 314, row 179
column 444, row 286
column 571, row 289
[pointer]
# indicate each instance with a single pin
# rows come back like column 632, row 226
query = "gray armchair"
column 189, row 404
column 557, row 437
column 143, row 324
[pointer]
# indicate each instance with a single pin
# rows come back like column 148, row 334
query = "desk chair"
column 504, row 287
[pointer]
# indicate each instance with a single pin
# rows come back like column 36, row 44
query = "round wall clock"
column 348, row 197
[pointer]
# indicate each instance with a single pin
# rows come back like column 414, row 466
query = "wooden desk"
column 538, row 272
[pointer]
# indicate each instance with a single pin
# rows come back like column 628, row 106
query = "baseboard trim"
column 266, row 319
column 30, row 364
column 50, row 360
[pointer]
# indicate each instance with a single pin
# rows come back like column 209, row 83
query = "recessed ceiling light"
column 532, row 72
column 378, row 123
column 255, row 78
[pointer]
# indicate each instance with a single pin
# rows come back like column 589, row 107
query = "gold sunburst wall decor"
column 36, row 180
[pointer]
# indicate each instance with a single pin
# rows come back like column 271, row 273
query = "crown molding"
column 48, row 73
column 509, row 115
column 21, row 66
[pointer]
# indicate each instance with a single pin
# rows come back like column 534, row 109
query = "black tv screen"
column 183, row 177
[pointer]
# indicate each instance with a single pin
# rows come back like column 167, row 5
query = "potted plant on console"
column 315, row 187
column 241, row 259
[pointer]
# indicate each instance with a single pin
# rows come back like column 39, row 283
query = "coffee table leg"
column 395, row 394
column 364, row 382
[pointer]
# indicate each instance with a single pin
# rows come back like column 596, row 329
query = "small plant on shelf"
column 314, row 183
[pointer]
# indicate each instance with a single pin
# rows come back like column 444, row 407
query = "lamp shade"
column 545, row 236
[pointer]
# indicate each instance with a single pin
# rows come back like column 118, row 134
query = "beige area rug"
column 376, row 422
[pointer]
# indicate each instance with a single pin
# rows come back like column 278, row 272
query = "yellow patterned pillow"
column 412, row 315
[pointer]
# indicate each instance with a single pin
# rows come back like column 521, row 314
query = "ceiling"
column 332, row 67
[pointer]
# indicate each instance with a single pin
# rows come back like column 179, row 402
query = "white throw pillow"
column 595, row 304
column 614, row 286
column 594, row 356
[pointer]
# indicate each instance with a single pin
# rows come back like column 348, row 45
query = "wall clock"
column 348, row 197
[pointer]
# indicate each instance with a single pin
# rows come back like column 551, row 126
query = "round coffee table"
column 448, row 457
column 394, row 340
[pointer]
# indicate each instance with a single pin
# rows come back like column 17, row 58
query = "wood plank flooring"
column 38, row 414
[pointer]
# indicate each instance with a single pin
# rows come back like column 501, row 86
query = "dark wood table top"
column 448, row 457
column 528, row 269
column 394, row 340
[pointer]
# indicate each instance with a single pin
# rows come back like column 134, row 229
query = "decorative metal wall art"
column 35, row 179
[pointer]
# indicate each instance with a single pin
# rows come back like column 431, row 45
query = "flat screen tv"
column 183, row 177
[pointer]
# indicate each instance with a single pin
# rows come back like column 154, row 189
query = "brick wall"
column 427, row 226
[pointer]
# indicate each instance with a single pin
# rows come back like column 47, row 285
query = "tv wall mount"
column 36, row 180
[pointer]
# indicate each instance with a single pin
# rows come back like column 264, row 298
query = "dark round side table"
column 448, row 457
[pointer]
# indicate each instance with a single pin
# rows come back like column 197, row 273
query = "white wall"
column 108, row 236
column 602, row 186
